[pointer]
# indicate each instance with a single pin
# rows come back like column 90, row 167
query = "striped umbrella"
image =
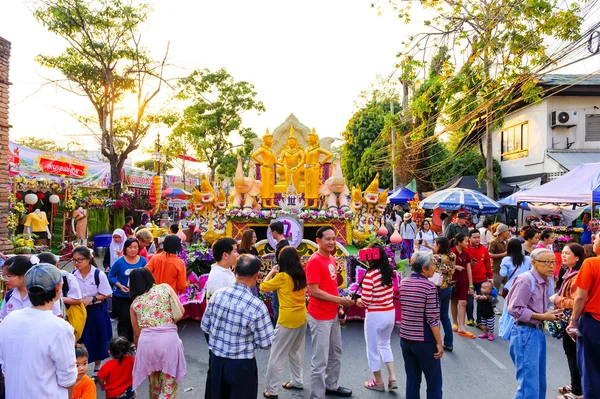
column 461, row 198
column 172, row 192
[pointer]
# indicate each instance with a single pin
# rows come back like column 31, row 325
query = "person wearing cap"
column 497, row 251
column 527, row 303
column 408, row 231
column 460, row 226
column 37, row 348
column 167, row 268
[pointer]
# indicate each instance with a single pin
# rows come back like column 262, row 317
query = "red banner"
column 62, row 168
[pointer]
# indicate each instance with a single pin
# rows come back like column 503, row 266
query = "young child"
column 116, row 374
column 488, row 318
column 84, row 386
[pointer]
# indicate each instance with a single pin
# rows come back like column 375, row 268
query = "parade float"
column 293, row 178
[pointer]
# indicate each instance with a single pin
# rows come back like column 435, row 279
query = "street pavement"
column 476, row 369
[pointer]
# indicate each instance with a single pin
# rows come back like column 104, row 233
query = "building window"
column 592, row 127
column 515, row 141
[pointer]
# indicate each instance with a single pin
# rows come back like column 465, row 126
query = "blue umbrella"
column 461, row 198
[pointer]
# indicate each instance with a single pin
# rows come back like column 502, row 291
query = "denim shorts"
column 128, row 394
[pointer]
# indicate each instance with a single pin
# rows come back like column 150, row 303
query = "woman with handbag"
column 513, row 264
column 159, row 356
column 380, row 313
column 572, row 257
column 444, row 266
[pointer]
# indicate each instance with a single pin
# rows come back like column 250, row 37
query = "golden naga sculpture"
column 267, row 162
column 292, row 159
column 356, row 200
column 245, row 189
column 312, row 174
column 381, row 202
column 335, row 190
column 372, row 194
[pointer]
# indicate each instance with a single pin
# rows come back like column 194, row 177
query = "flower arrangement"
column 23, row 244
column 197, row 258
column 566, row 229
column 246, row 214
column 531, row 218
column 12, row 222
column 194, row 293
column 594, row 225
column 69, row 205
column 25, row 183
column 564, row 239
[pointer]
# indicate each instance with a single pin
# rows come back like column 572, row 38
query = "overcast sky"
column 312, row 58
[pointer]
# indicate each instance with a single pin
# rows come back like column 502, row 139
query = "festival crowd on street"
column 453, row 282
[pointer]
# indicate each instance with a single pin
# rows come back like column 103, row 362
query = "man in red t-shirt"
column 324, row 304
column 481, row 270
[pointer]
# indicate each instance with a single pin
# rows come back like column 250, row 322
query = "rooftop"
column 570, row 80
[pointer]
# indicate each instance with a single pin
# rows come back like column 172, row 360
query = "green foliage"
column 148, row 164
column 467, row 163
column 218, row 104
column 105, row 62
column 364, row 151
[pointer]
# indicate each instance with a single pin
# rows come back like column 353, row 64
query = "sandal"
column 266, row 394
column 455, row 327
column 372, row 385
column 569, row 395
column 288, row 385
column 393, row 384
column 466, row 334
column 565, row 389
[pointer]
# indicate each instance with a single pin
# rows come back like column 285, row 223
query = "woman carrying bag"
column 159, row 356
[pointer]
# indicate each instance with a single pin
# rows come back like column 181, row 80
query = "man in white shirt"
column 485, row 233
column 221, row 276
column 37, row 349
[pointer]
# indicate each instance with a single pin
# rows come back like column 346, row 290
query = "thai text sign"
column 62, row 168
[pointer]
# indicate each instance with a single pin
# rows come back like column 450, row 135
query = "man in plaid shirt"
column 237, row 322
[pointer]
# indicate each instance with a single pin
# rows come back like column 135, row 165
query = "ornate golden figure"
column 292, row 159
column 312, row 174
column 267, row 163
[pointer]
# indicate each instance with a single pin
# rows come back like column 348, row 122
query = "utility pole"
column 393, row 148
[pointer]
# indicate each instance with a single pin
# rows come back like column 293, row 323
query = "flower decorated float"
column 293, row 178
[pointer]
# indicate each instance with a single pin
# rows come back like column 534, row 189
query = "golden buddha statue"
column 267, row 173
column 292, row 159
column 312, row 174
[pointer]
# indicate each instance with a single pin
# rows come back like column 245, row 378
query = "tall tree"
column 218, row 102
column 500, row 48
column 104, row 62
column 365, row 150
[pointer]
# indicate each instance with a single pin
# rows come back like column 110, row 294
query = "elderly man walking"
column 586, row 320
column 237, row 323
column 527, row 303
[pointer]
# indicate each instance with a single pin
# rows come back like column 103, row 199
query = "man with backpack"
column 527, row 303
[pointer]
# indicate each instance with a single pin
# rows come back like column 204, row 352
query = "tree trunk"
column 115, row 178
column 489, row 165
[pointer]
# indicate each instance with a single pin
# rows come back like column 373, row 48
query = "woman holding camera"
column 378, row 301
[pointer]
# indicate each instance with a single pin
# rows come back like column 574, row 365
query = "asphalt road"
column 476, row 369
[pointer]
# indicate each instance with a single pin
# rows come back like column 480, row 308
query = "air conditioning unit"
column 562, row 119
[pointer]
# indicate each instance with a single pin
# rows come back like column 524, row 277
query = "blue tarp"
column 402, row 196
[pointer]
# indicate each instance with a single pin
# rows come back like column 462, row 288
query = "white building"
column 543, row 141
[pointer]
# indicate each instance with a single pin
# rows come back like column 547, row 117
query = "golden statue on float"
column 290, row 162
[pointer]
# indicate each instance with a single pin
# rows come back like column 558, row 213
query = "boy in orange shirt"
column 84, row 388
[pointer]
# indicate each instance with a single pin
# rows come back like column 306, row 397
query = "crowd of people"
column 455, row 280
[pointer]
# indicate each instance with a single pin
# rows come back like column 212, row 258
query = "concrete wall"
column 5, row 245
column 541, row 134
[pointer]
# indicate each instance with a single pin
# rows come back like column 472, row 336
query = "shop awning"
column 570, row 160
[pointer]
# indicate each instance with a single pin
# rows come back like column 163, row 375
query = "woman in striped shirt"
column 378, row 301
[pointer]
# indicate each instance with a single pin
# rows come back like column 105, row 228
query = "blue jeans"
column 418, row 360
column 445, row 295
column 528, row 352
column 588, row 353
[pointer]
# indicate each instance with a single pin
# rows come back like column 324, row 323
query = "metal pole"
column 393, row 148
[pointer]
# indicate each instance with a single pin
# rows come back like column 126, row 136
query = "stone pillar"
column 5, row 245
